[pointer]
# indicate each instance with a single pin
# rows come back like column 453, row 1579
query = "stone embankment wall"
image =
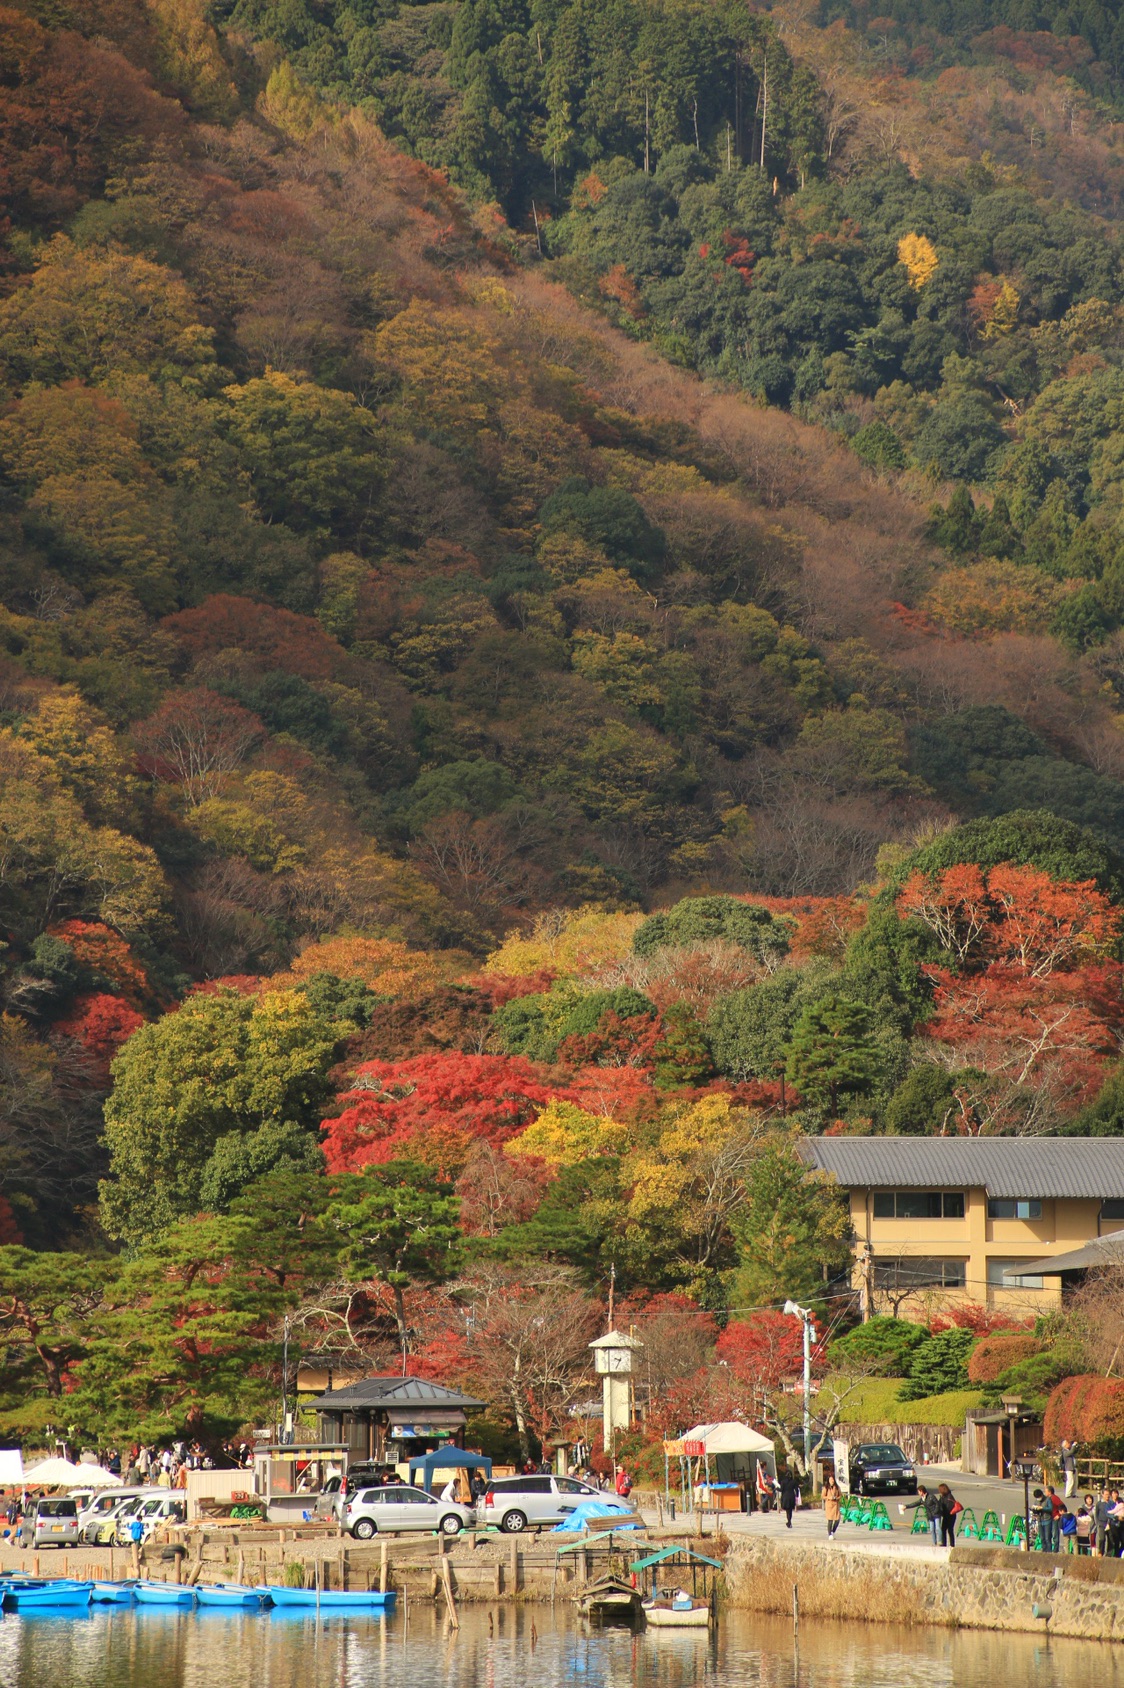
column 975, row 1588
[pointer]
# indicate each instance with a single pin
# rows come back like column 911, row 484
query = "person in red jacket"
column 624, row 1483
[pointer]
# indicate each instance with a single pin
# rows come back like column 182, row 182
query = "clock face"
column 620, row 1360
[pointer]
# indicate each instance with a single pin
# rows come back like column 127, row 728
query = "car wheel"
column 451, row 1525
column 513, row 1523
column 363, row 1529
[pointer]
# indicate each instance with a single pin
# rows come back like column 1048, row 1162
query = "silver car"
column 398, row 1506
column 56, row 1523
column 515, row 1502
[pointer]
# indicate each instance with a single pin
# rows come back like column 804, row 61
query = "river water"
column 524, row 1647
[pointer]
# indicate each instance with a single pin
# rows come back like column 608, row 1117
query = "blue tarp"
column 579, row 1518
column 443, row 1459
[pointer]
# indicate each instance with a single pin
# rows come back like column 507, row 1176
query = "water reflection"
column 519, row 1648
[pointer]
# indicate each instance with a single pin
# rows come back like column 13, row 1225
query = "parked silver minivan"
column 515, row 1502
column 99, row 1522
column 56, row 1523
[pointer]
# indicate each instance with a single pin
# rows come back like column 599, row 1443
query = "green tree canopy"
column 216, row 1093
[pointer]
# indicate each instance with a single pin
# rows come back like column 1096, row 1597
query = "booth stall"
column 720, row 1466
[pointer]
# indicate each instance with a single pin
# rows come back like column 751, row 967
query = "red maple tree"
column 433, row 1107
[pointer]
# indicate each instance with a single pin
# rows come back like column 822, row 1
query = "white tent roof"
column 11, row 1466
column 95, row 1477
column 729, row 1437
column 52, row 1473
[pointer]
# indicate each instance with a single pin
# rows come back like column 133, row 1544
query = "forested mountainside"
column 560, row 623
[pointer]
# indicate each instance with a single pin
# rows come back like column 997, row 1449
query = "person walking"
column 623, row 1483
column 788, row 1492
column 1067, row 1460
column 929, row 1501
column 948, row 1510
column 832, row 1505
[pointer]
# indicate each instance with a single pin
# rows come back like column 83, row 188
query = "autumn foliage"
column 1085, row 1409
column 433, row 1108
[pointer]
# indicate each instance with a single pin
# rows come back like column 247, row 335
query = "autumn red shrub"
column 1087, row 1409
column 973, row 1316
column 994, row 1354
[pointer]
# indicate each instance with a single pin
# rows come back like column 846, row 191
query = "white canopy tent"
column 95, row 1477
column 11, row 1468
column 52, row 1473
column 735, row 1452
column 729, row 1437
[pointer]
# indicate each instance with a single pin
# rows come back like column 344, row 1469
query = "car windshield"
column 57, row 1509
column 888, row 1452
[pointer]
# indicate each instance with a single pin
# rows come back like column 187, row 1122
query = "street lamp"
column 804, row 1314
column 1026, row 1469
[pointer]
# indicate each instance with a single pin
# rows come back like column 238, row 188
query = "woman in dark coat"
column 948, row 1511
column 787, row 1491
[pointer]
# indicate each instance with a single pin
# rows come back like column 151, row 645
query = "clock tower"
column 613, row 1355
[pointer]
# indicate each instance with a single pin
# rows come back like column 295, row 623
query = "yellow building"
column 942, row 1220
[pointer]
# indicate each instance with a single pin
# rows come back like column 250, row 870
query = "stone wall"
column 975, row 1588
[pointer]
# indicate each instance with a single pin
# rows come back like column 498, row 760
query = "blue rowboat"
column 232, row 1596
column 163, row 1594
column 330, row 1599
column 113, row 1593
column 24, row 1597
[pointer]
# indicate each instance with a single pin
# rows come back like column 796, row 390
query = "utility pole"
column 804, row 1314
column 646, row 153
column 612, row 1290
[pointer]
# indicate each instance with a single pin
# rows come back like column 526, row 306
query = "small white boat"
column 676, row 1609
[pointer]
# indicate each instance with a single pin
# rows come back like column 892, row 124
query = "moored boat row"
column 20, row 1593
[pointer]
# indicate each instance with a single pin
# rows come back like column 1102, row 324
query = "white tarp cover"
column 11, row 1467
column 729, row 1437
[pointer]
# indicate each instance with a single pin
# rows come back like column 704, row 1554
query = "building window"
column 919, row 1204
column 1113, row 1209
column 919, row 1271
column 1003, row 1208
column 1004, row 1274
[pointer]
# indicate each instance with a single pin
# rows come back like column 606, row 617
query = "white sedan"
column 398, row 1506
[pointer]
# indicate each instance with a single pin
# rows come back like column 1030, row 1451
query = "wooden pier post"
column 515, row 1567
column 450, row 1602
column 384, row 1565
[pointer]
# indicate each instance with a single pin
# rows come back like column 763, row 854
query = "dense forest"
column 560, row 625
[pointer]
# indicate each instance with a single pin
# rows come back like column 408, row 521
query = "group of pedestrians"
column 941, row 1509
column 1097, row 1527
column 166, row 1468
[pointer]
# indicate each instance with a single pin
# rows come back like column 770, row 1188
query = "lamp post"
column 1025, row 1468
column 804, row 1314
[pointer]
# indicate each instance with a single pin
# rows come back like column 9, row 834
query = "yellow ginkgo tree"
column 919, row 255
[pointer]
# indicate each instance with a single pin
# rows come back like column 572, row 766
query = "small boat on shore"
column 34, row 1595
column 676, row 1609
column 163, row 1594
column 231, row 1596
column 329, row 1599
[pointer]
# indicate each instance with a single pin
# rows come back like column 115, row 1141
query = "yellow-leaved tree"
column 689, row 1186
column 565, row 1135
column 919, row 255
column 570, row 941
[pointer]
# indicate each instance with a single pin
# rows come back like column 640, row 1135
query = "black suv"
column 881, row 1468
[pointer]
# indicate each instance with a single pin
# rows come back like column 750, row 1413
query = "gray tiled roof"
column 1039, row 1167
column 396, row 1392
column 1102, row 1251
